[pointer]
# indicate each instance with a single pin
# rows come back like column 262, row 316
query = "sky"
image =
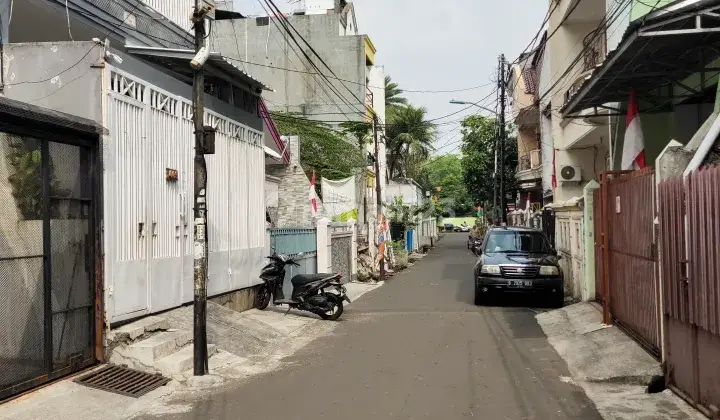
column 442, row 45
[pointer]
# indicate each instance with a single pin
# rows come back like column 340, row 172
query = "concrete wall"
column 411, row 194
column 58, row 76
column 268, row 45
column 293, row 191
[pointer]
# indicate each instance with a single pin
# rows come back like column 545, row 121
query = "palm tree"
column 409, row 138
column 392, row 94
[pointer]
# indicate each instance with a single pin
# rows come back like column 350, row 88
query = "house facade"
column 125, row 66
column 584, row 101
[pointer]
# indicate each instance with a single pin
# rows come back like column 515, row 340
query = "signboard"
column 171, row 175
column 617, row 204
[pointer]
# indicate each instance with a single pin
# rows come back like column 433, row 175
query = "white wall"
column 149, row 224
column 410, row 193
column 546, row 137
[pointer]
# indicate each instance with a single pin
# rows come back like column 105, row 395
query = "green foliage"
column 360, row 131
column 478, row 161
column 446, row 171
column 405, row 215
column 25, row 159
column 322, row 149
column 409, row 139
column 392, row 94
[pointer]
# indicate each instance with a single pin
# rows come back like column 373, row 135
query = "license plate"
column 519, row 283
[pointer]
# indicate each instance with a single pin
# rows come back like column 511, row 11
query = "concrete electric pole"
column 501, row 81
column 378, row 193
column 200, row 355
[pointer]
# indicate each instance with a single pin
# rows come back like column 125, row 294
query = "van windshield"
column 517, row 241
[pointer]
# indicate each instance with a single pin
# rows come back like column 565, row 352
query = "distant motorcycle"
column 309, row 290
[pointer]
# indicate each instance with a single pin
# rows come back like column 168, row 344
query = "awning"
column 178, row 60
column 657, row 52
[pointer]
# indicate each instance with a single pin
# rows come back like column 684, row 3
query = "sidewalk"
column 249, row 343
column 611, row 368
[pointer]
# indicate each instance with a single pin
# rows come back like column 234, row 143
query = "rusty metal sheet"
column 633, row 286
column 681, row 356
column 704, row 229
column 708, row 360
column 672, row 247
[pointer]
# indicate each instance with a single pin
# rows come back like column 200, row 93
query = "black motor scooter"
column 308, row 292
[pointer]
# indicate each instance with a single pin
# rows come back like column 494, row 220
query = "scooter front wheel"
column 337, row 309
column 262, row 297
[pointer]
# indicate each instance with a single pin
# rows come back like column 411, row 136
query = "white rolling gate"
column 148, row 196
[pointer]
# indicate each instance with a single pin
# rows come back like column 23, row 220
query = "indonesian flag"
column 633, row 153
column 313, row 196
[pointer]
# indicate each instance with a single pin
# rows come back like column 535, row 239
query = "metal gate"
column 689, row 228
column 630, row 286
column 47, row 269
column 598, row 236
column 548, row 225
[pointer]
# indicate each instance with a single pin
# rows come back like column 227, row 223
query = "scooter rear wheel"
column 337, row 309
column 262, row 297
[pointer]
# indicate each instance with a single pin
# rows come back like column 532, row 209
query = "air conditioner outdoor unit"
column 570, row 173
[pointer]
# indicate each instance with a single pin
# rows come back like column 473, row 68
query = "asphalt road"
column 416, row 348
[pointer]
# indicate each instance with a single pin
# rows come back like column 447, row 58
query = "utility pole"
column 378, row 193
column 495, row 174
column 200, row 356
column 503, row 208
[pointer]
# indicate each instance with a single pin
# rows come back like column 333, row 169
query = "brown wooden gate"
column 630, row 289
column 689, row 231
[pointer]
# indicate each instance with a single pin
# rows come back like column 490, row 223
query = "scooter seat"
column 302, row 279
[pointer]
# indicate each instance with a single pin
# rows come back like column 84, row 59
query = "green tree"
column 409, row 139
column 446, row 172
column 478, row 161
column 322, row 149
column 392, row 94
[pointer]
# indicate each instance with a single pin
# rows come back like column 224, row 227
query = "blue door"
column 409, row 241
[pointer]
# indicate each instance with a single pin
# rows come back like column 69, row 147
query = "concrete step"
column 159, row 345
column 130, row 332
column 181, row 361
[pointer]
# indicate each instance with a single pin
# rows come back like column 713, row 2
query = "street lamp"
column 456, row 102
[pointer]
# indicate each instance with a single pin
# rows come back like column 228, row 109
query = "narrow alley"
column 416, row 348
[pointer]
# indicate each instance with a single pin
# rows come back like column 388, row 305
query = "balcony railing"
column 524, row 163
column 594, row 49
column 368, row 97
column 535, row 158
column 530, row 161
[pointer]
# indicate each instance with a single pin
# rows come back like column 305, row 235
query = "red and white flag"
column 313, row 196
column 633, row 153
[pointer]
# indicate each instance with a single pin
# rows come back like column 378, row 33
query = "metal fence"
column 301, row 243
column 629, row 285
column 599, row 259
column 689, row 229
column 47, row 260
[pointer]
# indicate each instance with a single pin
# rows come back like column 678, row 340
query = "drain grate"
column 124, row 381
